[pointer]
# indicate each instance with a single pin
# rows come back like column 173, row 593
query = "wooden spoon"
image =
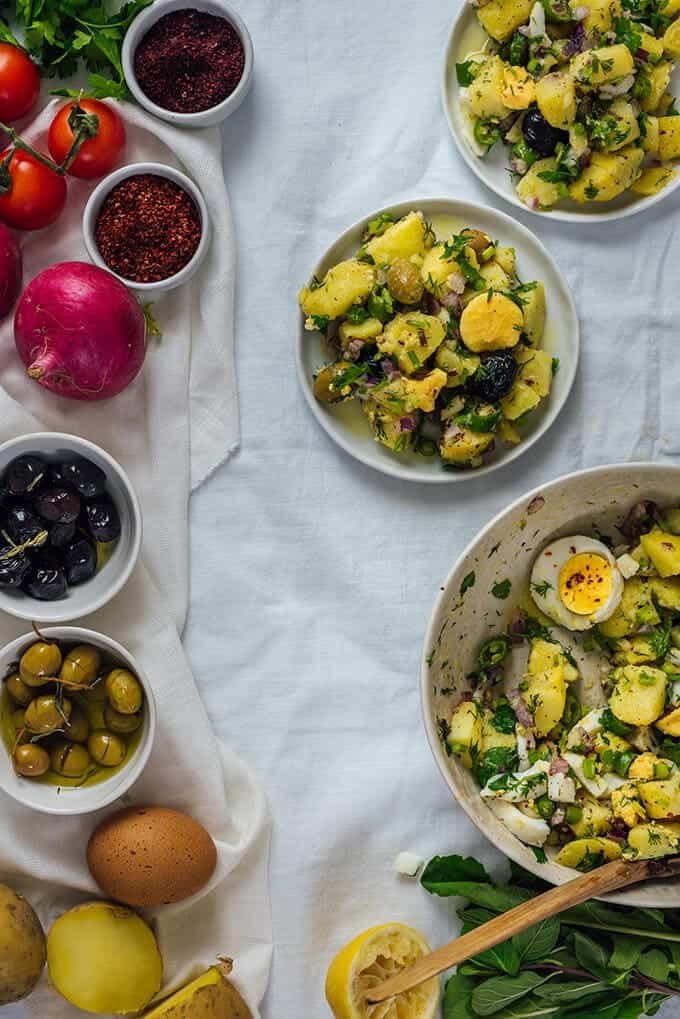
column 617, row 874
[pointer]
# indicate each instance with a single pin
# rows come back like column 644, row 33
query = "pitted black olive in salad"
column 58, row 524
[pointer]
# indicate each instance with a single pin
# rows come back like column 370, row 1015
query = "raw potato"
column 404, row 239
column 500, row 18
column 210, row 996
column 344, row 285
column 485, row 92
column 22, row 947
column 104, row 958
column 608, row 175
column 491, row 322
column 556, row 98
column 598, row 66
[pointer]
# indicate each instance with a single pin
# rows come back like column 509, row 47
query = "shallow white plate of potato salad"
column 567, row 106
column 437, row 340
column 569, row 719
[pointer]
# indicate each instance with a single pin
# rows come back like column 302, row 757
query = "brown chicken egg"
column 151, row 856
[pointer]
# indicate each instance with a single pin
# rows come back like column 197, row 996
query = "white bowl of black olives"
column 70, row 527
column 77, row 720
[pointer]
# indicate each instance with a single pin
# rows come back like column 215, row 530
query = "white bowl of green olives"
column 70, row 527
column 77, row 720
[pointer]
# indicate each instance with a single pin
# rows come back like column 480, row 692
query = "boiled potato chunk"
column 491, row 322
column 636, row 609
column 600, row 17
column 465, row 733
column 500, row 18
column 556, row 98
column 411, row 337
column 520, row 401
column 664, row 551
column 404, row 239
column 366, row 330
column 456, row 362
column 671, row 40
column 486, row 91
column 643, row 767
column 22, row 947
column 492, row 738
column 462, row 446
column 659, row 78
column 104, row 958
column 404, row 395
column 626, row 804
column 670, row 723
column 598, row 66
column 546, row 692
column 585, row 854
column 669, row 138
column 652, row 180
column 639, row 695
column 519, row 88
column 667, row 592
column 536, row 371
column 437, row 268
column 627, row 128
column 533, row 189
column 608, row 175
column 210, row 996
column 507, row 259
column 595, row 819
column 651, row 841
column 534, row 313
column 661, row 798
column 650, row 139
column 347, row 283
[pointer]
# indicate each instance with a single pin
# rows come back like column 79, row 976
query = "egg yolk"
column 585, row 583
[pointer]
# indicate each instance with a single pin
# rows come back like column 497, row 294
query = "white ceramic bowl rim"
column 144, row 21
column 640, row 204
column 106, row 185
column 86, row 799
column 467, row 210
column 79, row 447
column 511, row 846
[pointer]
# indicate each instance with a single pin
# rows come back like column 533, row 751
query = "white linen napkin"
column 169, row 429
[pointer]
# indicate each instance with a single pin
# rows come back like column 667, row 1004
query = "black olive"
column 80, row 561
column 495, row 376
column 103, row 520
column 87, row 479
column 61, row 534
column 24, row 474
column 13, row 569
column 58, row 505
column 22, row 523
column 539, row 134
column 46, row 580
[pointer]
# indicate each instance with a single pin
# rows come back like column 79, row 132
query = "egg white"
column 545, row 577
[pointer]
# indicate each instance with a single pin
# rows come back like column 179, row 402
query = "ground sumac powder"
column 189, row 61
column 148, row 228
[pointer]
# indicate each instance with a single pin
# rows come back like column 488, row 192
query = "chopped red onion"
column 407, row 424
column 558, row 766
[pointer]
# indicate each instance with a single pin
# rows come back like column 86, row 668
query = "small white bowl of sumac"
column 190, row 64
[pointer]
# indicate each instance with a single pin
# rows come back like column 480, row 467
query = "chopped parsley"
column 501, row 589
column 357, row 314
column 468, row 582
column 504, row 718
column 542, row 588
column 467, row 72
column 321, row 322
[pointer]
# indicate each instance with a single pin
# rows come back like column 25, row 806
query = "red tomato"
column 96, row 156
column 37, row 195
column 19, row 82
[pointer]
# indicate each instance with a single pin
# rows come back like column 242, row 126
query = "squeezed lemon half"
column 370, row 958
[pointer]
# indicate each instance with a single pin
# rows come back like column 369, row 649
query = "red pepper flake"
column 148, row 228
column 189, row 61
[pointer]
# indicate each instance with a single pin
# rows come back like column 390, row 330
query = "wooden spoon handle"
column 605, row 879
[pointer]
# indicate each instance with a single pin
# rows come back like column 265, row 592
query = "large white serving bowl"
column 467, row 35
column 346, row 424
column 52, row 799
column 593, row 502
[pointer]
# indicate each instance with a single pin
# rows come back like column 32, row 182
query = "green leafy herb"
column 357, row 314
column 542, row 588
column 628, row 33
column 348, row 376
column 377, row 227
column 496, row 761
column 501, row 589
column 380, row 304
column 321, row 322
column 467, row 72
column 504, row 718
column 494, row 651
column 468, row 582
column 518, row 51
column 591, row 192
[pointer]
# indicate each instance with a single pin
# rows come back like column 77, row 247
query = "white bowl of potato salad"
column 438, row 340
column 551, row 675
column 567, row 107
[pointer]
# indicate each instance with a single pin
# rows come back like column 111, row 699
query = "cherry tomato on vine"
column 37, row 195
column 19, row 82
column 96, row 156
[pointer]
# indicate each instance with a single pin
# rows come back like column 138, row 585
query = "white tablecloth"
column 313, row 577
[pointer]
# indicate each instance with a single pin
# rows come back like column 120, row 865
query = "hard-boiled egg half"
column 575, row 581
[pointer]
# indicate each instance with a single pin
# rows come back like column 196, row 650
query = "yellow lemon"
column 370, row 958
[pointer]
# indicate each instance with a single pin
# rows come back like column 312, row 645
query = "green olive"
column 18, row 721
column 477, row 240
column 18, row 691
column 324, row 379
column 404, row 281
column 96, row 694
column 30, row 760
column 106, row 748
column 81, row 665
column 78, row 728
column 39, row 663
column 124, row 691
column 117, row 722
column 43, row 715
column 70, row 759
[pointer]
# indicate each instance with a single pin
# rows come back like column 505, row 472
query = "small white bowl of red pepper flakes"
column 148, row 224
column 188, row 63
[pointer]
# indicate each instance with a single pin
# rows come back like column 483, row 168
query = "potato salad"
column 436, row 339
column 579, row 91
column 572, row 722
